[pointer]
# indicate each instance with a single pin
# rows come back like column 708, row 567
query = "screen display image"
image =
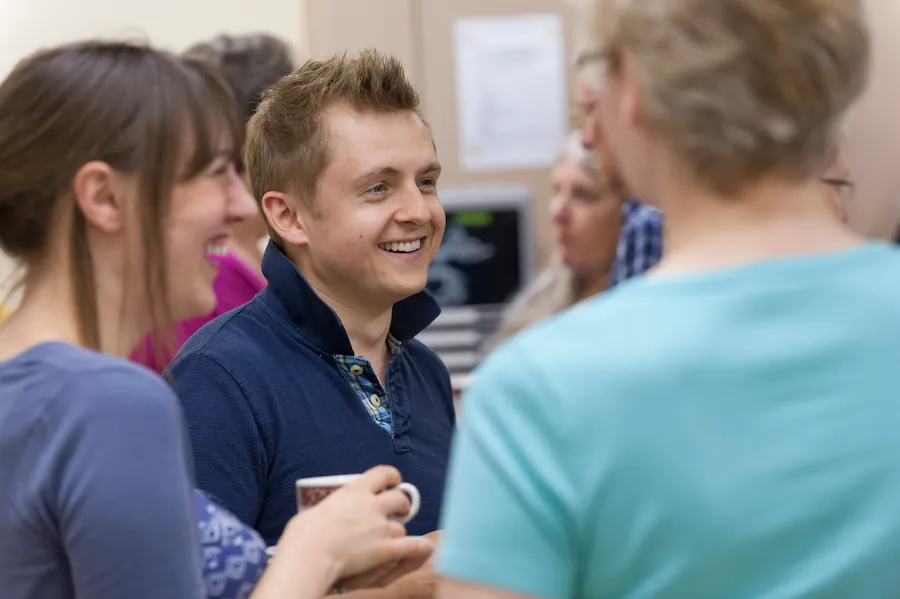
column 479, row 261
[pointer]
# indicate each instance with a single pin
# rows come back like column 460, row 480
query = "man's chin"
column 401, row 289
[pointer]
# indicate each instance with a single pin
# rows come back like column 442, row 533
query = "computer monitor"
column 485, row 258
column 487, row 252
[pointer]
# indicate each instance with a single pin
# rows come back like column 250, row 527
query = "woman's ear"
column 99, row 194
column 284, row 218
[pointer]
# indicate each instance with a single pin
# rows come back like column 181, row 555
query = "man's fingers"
column 408, row 548
column 394, row 503
column 413, row 552
column 373, row 579
column 404, row 567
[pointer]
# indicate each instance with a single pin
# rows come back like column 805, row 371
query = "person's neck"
column 774, row 219
column 366, row 326
column 48, row 313
column 248, row 251
column 589, row 285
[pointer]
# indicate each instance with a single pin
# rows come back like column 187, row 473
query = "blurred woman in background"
column 586, row 214
column 116, row 164
column 249, row 64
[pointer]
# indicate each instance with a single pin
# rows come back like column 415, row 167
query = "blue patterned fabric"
column 362, row 378
column 234, row 555
column 640, row 243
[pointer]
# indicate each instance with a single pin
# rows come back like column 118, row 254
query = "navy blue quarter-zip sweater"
column 267, row 402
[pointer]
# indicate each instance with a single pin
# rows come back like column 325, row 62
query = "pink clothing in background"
column 235, row 285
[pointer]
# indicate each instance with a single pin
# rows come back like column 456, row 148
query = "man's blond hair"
column 287, row 145
column 742, row 89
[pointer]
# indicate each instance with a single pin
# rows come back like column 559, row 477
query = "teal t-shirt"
column 728, row 435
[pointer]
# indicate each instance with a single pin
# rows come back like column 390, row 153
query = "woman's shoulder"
column 75, row 382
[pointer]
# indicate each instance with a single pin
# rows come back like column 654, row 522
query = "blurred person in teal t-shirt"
column 725, row 427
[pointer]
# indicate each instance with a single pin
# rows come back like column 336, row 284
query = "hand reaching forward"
column 419, row 584
column 350, row 537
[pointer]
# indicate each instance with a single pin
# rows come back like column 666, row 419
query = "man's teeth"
column 402, row 247
column 216, row 249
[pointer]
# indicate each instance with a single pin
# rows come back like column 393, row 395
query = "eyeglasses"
column 844, row 188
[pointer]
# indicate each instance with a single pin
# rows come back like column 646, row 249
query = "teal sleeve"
column 508, row 521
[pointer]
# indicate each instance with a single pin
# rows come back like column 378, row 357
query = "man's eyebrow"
column 434, row 167
column 390, row 171
column 375, row 173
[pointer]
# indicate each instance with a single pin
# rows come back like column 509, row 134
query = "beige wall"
column 26, row 25
column 874, row 128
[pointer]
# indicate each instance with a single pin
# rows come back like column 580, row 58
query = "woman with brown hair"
column 114, row 170
column 249, row 64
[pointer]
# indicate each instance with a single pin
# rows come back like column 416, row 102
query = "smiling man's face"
column 376, row 222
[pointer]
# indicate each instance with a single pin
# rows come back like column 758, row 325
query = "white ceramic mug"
column 311, row 491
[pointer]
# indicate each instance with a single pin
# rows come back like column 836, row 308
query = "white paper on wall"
column 511, row 90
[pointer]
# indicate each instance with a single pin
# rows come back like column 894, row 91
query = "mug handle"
column 415, row 501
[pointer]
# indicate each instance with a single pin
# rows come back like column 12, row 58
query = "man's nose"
column 415, row 208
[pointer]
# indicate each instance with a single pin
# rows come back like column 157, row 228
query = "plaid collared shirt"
column 640, row 243
column 361, row 376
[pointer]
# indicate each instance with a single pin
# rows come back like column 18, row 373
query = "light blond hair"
column 287, row 145
column 573, row 149
column 741, row 89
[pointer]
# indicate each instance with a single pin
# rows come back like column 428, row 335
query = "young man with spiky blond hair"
column 321, row 374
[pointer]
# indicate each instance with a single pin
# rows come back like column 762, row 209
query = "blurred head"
column 586, row 214
column 114, row 162
column 250, row 64
column 728, row 92
column 838, row 183
column 346, row 170
column 588, row 86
